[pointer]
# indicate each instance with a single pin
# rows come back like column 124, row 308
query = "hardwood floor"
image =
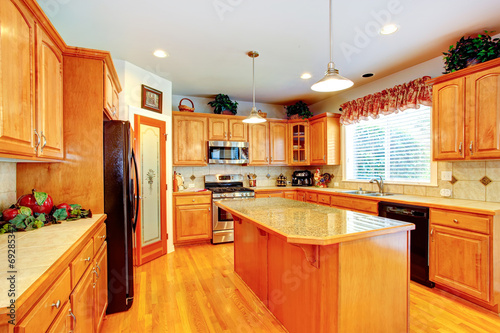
column 195, row 289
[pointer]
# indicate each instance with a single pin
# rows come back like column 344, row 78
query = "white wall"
column 132, row 78
column 244, row 108
column 432, row 68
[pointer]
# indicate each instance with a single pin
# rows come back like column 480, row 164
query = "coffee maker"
column 302, row 178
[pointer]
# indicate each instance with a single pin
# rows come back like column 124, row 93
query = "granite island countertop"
column 307, row 223
column 37, row 250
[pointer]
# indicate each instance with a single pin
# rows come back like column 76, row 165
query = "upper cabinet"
column 299, row 142
column 258, row 152
column 466, row 113
column 223, row 129
column 111, row 90
column 278, row 140
column 31, row 93
column 268, row 143
column 189, row 140
column 325, row 139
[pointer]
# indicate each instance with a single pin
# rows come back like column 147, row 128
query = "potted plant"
column 298, row 110
column 222, row 104
column 470, row 51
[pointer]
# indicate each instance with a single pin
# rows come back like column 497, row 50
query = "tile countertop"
column 307, row 223
column 37, row 250
column 470, row 206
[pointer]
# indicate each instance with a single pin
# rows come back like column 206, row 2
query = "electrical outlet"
column 446, row 175
column 336, row 184
column 445, row 192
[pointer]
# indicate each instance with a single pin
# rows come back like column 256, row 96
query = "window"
column 396, row 147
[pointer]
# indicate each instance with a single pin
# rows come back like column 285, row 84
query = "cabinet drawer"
column 81, row 262
column 193, row 200
column 99, row 238
column 324, row 199
column 478, row 223
column 311, row 197
column 341, row 202
column 47, row 308
column 368, row 206
column 275, row 194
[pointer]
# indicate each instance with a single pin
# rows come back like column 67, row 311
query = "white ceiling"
column 208, row 39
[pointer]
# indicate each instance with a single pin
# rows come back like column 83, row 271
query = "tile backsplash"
column 7, row 184
column 471, row 180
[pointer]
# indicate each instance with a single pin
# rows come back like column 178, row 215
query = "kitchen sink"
column 360, row 192
column 378, row 194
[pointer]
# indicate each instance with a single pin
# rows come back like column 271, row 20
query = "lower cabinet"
column 193, row 219
column 290, row 195
column 355, row 204
column 269, row 194
column 82, row 303
column 101, row 286
column 62, row 323
column 301, row 196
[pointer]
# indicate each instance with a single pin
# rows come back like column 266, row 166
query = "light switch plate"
column 446, row 175
column 445, row 192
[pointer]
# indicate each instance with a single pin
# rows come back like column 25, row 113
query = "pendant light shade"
column 332, row 81
column 254, row 117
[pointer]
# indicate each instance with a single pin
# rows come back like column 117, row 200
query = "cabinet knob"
column 230, row 135
column 432, row 234
column 455, row 220
column 225, row 134
column 470, row 148
column 57, row 304
column 460, row 148
column 193, row 200
column 88, row 259
column 102, row 237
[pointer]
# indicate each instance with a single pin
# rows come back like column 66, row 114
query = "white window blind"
column 396, row 147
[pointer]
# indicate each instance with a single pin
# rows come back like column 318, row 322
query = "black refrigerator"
column 121, row 201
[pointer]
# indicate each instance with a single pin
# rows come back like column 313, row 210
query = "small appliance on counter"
column 281, row 180
column 302, row 178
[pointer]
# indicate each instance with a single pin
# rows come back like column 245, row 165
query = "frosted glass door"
column 150, row 183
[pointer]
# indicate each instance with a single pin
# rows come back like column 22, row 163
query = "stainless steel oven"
column 227, row 152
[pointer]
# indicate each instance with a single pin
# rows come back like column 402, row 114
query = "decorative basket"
column 262, row 114
column 186, row 108
column 294, row 116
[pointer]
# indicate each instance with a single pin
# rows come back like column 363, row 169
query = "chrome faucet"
column 379, row 183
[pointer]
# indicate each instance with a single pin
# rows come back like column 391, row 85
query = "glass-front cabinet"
column 299, row 147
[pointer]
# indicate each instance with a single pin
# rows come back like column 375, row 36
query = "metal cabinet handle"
column 37, row 144
column 102, row 237
column 267, row 159
column 470, row 148
column 205, row 158
column 193, row 200
column 95, row 272
column 57, row 304
column 324, row 158
column 44, row 141
column 225, row 134
column 209, row 209
column 71, row 314
column 97, row 265
column 88, row 259
column 460, row 148
column 455, row 220
column 432, row 234
column 230, row 135
column 271, row 158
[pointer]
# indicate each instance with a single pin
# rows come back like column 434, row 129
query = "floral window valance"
column 409, row 95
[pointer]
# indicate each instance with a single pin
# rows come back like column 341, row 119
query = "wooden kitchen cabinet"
column 290, row 195
column 301, row 196
column 269, row 194
column 225, row 129
column 193, row 219
column 101, row 286
column 268, row 143
column 324, row 138
column 278, row 141
column 355, row 204
column 258, row 140
column 111, row 90
column 31, row 111
column 460, row 254
column 466, row 113
column 189, row 140
column 82, row 303
column 299, row 142
column 62, row 323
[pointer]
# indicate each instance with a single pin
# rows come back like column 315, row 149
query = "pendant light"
column 332, row 81
column 254, row 117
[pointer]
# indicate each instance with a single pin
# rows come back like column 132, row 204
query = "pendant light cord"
column 253, row 78
column 331, row 34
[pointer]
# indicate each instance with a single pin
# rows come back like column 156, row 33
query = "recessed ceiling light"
column 160, row 54
column 388, row 29
column 306, row 76
column 367, row 75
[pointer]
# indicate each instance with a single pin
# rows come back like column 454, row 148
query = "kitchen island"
column 321, row 269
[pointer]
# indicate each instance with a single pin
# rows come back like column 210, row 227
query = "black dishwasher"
column 419, row 238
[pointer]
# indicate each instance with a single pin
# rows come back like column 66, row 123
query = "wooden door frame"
column 152, row 251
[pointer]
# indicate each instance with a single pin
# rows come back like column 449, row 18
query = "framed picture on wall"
column 151, row 99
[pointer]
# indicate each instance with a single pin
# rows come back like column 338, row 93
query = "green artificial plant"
column 471, row 50
column 223, row 102
column 300, row 109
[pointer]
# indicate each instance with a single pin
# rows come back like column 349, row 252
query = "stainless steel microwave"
column 227, row 152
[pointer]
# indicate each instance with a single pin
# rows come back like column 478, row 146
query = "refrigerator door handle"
column 134, row 225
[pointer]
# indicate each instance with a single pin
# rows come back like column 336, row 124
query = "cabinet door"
column 301, row 196
column 278, row 143
column 49, row 97
column 217, row 129
column 190, row 140
column 484, row 114
column 82, row 303
column 290, row 195
column 460, row 260
column 192, row 223
column 318, row 141
column 110, row 104
column 259, row 144
column 238, row 130
column 101, row 286
column 299, row 143
column 17, row 62
column 448, row 120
